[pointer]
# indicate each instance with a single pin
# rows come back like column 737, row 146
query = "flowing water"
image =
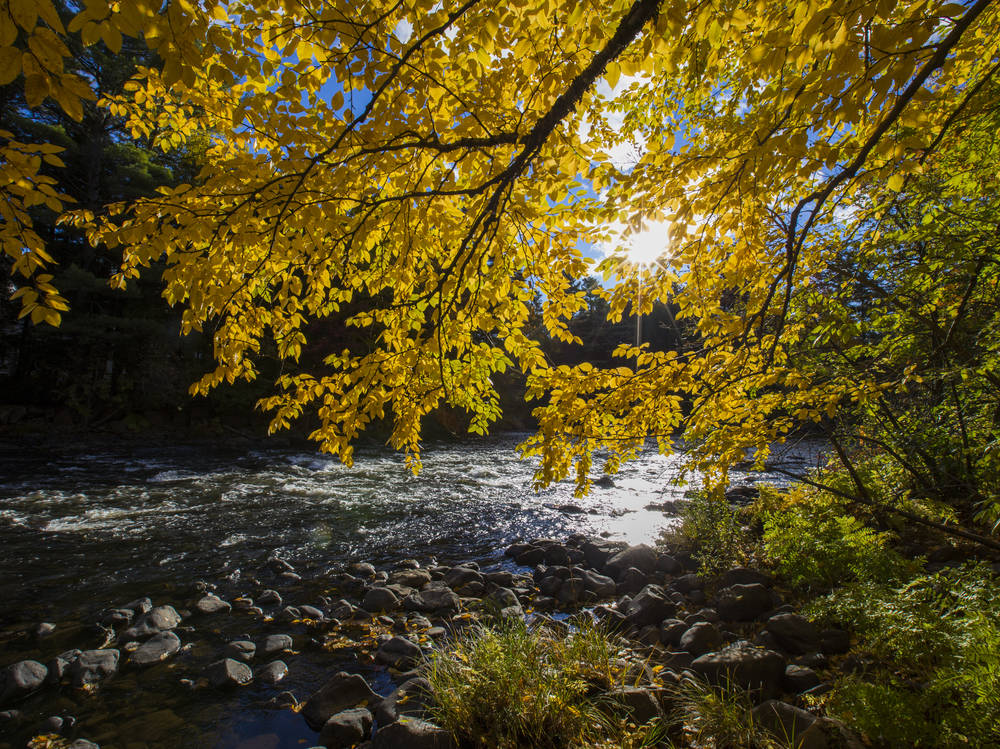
column 84, row 528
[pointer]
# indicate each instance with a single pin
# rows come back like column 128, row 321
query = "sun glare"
column 649, row 246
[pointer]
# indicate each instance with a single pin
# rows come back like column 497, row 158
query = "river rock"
column 240, row 650
column 530, row 557
column 458, row 577
column 597, row 553
column 785, row 721
column 669, row 564
column 342, row 691
column 633, row 580
column 59, row 666
column 433, row 600
column 269, row 597
column 159, row 619
column 641, row 557
column 311, row 612
column 671, row 631
column 83, row 744
column 272, row 673
column 42, row 630
column 157, row 648
column 799, row 679
column 412, row 733
column 346, row 728
column 650, row 606
column 364, row 570
column 688, row 583
column 91, row 666
column 794, row 633
column 743, row 603
column 745, row 666
column 638, row 702
column 342, row 609
column 745, row 576
column 398, row 652
column 411, row 578
column 411, row 699
column 289, row 614
column 139, row 606
column 117, row 617
column 701, row 638
column 21, row 679
column 601, row 586
column 228, row 673
column 506, row 603
column 276, row 644
column 212, row 604
column 380, row 599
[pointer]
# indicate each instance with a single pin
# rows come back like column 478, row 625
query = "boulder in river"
column 650, row 606
column 701, row 638
column 276, row 644
column 743, row 603
column 342, row 691
column 380, row 599
column 212, row 604
column 269, row 598
column 159, row 619
column 412, row 733
column 640, row 556
column 21, row 679
column 346, row 728
column 91, row 666
column 157, row 648
column 411, row 699
column 272, row 673
column 241, row 650
column 440, row 600
column 398, row 652
column 228, row 673
column 745, row 666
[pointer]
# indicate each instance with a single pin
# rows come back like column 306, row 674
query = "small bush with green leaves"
column 936, row 639
column 716, row 532
column 512, row 686
column 816, row 544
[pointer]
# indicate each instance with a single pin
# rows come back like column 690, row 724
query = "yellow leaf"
column 36, row 88
column 896, row 182
column 10, row 64
column 24, row 13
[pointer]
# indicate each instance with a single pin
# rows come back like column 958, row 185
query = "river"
column 86, row 527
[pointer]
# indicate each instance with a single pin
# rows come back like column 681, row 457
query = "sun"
column 646, row 247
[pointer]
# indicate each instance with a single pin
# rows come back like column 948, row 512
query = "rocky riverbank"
column 675, row 625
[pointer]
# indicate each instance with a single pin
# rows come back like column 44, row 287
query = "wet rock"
column 597, row 553
column 83, row 744
column 398, row 652
column 53, row 724
column 532, row 556
column 289, row 614
column 139, row 606
column 269, row 598
column 411, row 578
column 670, row 565
column 701, row 638
column 601, row 586
column 21, row 679
column 380, row 599
column 278, row 565
column 572, row 591
column 641, row 557
column 11, row 718
column 342, row 691
column 411, row 699
column 633, row 580
column 241, row 650
column 828, row 733
column 59, row 666
column 785, row 721
column 342, row 609
column 364, row 570
column 157, row 648
column 346, row 728
column 799, row 679
column 91, row 666
column 503, row 578
column 506, row 603
column 272, row 673
column 212, row 604
column 276, row 644
column 650, row 606
column 243, row 603
column 117, row 617
column 42, row 629
column 743, row 603
column 311, row 612
column 441, row 601
column 228, row 673
column 794, row 633
column 412, row 733
column 745, row 666
column 671, row 631
column 458, row 578
column 283, row 700
column 159, row 619
column 638, row 702
column 436, row 633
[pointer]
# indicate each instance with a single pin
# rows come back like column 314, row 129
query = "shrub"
column 716, row 533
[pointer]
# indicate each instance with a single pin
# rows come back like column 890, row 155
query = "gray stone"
column 785, row 721
column 157, row 648
column 21, row 679
column 399, row 653
column 91, row 666
column 743, row 603
column 289, row 614
column 346, row 728
column 228, row 673
column 139, row 606
column 666, row 563
column 441, row 600
column 363, row 570
column 212, row 604
column 241, row 650
column 311, row 612
column 671, row 631
column 411, row 699
column 380, row 599
column 650, row 606
column 272, row 673
column 159, row 619
column 688, row 583
column 597, row 553
column 744, row 576
column 743, row 665
column 799, row 679
column 412, row 733
column 117, row 617
column 638, row 702
column 43, row 629
column 506, row 603
column 530, row 557
column 641, row 557
column 269, row 598
column 701, row 638
column 412, row 578
column 601, row 586
column 276, row 644
column 83, row 744
column 794, row 633
column 59, row 666
column 342, row 691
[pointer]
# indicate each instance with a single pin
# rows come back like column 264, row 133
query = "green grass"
column 510, row 686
